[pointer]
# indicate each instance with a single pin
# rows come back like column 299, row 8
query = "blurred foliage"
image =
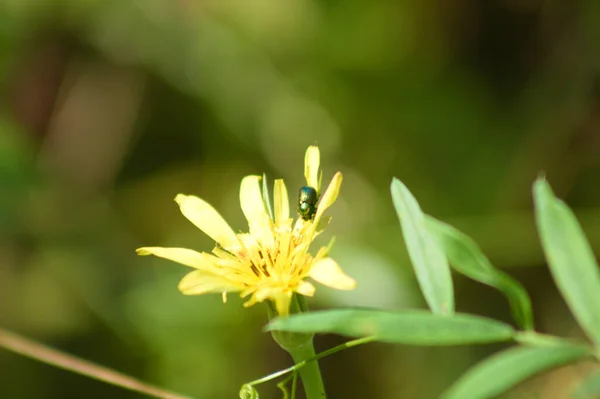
column 110, row 108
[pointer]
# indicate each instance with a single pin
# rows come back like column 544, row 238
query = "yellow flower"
column 272, row 261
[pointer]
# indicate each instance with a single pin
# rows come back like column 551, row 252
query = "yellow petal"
column 282, row 202
column 228, row 265
column 251, row 201
column 282, row 261
column 328, row 272
column 305, row 288
column 264, row 293
column 207, row 219
column 223, row 254
column 329, row 196
column 250, row 302
column 311, row 167
column 184, row 256
column 199, row 282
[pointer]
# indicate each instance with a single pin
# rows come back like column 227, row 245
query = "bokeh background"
column 110, row 108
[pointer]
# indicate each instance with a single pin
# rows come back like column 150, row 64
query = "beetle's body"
column 307, row 202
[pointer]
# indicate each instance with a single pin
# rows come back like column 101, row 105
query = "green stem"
column 310, row 372
column 538, row 339
column 296, row 367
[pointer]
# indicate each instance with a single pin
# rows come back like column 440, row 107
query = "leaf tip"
column 272, row 325
column 398, row 189
column 394, row 184
column 541, row 189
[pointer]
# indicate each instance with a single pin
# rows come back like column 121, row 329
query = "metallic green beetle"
column 307, row 202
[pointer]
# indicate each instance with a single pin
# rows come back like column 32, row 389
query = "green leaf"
column 414, row 327
column 265, row 196
column 427, row 256
column 466, row 258
column 589, row 388
column 570, row 258
column 506, row 369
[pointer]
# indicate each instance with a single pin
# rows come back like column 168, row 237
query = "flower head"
column 272, row 260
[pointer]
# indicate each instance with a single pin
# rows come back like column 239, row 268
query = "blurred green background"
column 110, row 108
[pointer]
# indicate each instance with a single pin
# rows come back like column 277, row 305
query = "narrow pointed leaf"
column 266, row 198
column 466, row 257
column 506, row 369
column 569, row 257
column 427, row 256
column 414, row 327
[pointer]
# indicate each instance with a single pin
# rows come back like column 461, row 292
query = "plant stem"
column 298, row 366
column 538, row 339
column 310, row 373
column 26, row 347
